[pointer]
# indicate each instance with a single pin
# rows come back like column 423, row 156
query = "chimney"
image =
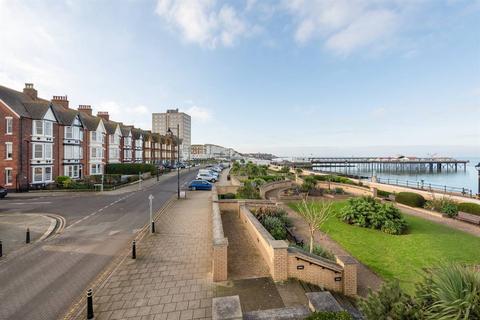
column 61, row 100
column 85, row 108
column 30, row 91
column 104, row 115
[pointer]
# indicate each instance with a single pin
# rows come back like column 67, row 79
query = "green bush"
column 329, row 315
column 383, row 193
column 368, row 213
column 64, row 181
column 469, row 207
column 248, row 191
column 130, row 168
column 317, row 250
column 390, row 302
column 443, row 205
column 410, row 199
column 228, row 196
column 275, row 226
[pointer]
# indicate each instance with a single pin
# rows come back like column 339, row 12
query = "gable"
column 118, row 132
column 77, row 122
column 49, row 115
column 101, row 127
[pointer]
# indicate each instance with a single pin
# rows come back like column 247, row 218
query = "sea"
column 467, row 179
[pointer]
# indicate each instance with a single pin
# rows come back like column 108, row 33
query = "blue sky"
column 323, row 77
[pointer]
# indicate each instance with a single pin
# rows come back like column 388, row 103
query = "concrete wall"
column 223, row 189
column 220, row 243
column 275, row 185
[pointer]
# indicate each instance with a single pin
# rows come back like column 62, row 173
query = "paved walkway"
column 244, row 259
column 366, row 278
column 171, row 277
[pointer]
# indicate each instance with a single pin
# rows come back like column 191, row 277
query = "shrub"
column 410, row 199
column 318, row 250
column 63, row 181
column 130, row 168
column 329, row 315
column 383, row 193
column 469, row 207
column 227, row 196
column 390, row 302
column 275, row 226
column 339, row 190
column 368, row 213
column 248, row 191
column 450, row 292
column 269, row 211
column 443, row 205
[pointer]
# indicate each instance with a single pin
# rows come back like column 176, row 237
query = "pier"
column 389, row 164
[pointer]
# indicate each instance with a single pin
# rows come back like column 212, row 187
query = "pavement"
column 171, row 276
column 43, row 280
column 13, row 229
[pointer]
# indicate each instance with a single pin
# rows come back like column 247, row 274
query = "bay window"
column 37, row 151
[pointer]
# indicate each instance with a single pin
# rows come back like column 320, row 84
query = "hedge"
column 469, row 207
column 410, row 199
column 383, row 193
column 130, row 168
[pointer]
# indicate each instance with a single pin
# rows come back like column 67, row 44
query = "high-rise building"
column 161, row 122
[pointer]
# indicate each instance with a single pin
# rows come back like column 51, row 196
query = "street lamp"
column 478, row 169
column 178, row 158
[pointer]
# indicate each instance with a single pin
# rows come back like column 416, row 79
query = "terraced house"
column 42, row 139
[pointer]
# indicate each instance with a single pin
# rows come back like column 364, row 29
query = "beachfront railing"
column 422, row 185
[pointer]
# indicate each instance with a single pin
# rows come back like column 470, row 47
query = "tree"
column 315, row 214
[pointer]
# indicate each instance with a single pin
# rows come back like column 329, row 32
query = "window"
column 38, row 127
column 48, row 151
column 37, row 151
column 8, row 150
column 37, row 174
column 8, row 125
column 94, row 136
column 48, row 173
column 81, row 134
column 68, row 133
column 8, row 176
column 48, row 128
column 95, row 169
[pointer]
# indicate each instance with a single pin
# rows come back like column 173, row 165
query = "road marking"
column 22, row 203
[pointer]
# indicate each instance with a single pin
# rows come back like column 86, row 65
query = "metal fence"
column 422, row 185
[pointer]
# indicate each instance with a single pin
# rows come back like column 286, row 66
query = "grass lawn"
column 403, row 257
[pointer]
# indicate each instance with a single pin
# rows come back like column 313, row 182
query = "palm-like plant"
column 451, row 292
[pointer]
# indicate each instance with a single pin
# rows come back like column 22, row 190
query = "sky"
column 298, row 77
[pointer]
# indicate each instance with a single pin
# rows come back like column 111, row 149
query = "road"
column 42, row 282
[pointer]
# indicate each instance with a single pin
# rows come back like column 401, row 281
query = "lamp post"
column 478, row 169
column 178, row 158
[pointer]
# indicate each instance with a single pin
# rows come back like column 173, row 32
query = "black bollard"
column 27, row 239
column 1, row 249
column 134, row 250
column 89, row 304
column 153, row 226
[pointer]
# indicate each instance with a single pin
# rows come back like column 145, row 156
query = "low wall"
column 285, row 262
column 220, row 242
column 275, row 185
column 356, row 190
column 223, row 189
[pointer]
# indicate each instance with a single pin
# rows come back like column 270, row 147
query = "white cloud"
column 139, row 116
column 200, row 114
column 343, row 25
column 203, row 21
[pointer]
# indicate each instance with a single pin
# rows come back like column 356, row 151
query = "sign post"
column 152, row 229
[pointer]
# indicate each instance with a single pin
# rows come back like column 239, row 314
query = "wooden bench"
column 468, row 217
column 292, row 236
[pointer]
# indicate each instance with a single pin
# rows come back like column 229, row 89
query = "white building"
column 161, row 122
column 212, row 151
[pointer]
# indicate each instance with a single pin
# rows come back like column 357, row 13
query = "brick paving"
column 171, row 277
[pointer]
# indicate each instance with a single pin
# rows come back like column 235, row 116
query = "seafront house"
column 27, row 140
column 71, row 133
column 156, row 148
column 147, row 146
column 137, row 135
column 114, row 139
column 127, row 143
column 95, row 139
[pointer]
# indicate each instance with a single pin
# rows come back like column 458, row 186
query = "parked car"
column 3, row 192
column 210, row 172
column 206, row 176
column 199, row 185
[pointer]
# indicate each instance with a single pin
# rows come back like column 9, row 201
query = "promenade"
column 171, row 277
